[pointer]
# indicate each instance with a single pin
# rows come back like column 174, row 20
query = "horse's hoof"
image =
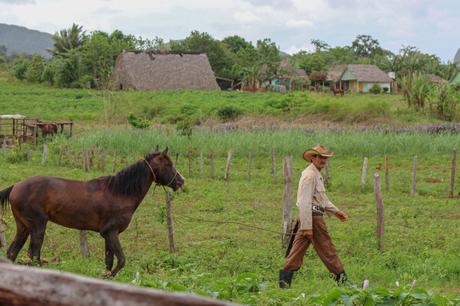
column 26, row 262
column 43, row 261
column 107, row 274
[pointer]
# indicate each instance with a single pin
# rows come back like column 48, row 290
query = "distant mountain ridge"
column 19, row 39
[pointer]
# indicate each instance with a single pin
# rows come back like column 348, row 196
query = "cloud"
column 18, row 2
column 289, row 23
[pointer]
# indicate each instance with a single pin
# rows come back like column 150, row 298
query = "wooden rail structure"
column 19, row 129
column 22, row 285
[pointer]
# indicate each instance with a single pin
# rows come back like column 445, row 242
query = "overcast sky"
column 431, row 25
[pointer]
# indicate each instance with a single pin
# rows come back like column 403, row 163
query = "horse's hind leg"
column 37, row 234
column 19, row 240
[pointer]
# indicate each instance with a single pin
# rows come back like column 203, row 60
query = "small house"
column 361, row 78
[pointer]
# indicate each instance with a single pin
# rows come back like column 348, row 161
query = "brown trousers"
column 322, row 244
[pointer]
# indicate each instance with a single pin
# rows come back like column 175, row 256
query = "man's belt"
column 317, row 210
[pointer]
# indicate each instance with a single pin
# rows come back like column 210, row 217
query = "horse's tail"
column 5, row 195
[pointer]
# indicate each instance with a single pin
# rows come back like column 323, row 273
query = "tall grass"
column 262, row 143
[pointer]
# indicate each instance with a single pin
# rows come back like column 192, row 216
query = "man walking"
column 311, row 228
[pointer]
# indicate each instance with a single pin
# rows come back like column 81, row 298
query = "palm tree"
column 68, row 39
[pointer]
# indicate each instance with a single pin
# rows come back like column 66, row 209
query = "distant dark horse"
column 105, row 204
column 337, row 91
column 48, row 129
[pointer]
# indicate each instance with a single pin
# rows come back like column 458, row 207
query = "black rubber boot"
column 285, row 278
column 341, row 279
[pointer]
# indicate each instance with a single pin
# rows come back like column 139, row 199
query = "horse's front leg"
column 108, row 257
column 113, row 243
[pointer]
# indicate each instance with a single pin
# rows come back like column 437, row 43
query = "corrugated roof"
column 163, row 71
column 368, row 73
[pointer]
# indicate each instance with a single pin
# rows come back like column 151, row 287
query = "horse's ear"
column 165, row 151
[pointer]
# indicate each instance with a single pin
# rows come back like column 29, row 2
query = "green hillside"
column 19, row 39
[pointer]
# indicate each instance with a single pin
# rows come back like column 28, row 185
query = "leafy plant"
column 229, row 112
column 138, row 123
column 376, row 89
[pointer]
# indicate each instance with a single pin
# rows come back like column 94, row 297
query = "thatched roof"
column 436, row 79
column 287, row 70
column 163, row 71
column 368, row 73
column 335, row 73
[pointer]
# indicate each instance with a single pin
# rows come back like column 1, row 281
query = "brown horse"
column 337, row 91
column 105, row 204
column 48, row 128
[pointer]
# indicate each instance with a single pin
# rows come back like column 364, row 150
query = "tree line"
column 81, row 59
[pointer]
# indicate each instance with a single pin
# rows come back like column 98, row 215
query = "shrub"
column 444, row 102
column 36, row 68
column 375, row 89
column 138, row 123
column 229, row 112
column 19, row 68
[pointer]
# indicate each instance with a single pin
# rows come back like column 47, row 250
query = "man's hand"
column 308, row 233
column 342, row 216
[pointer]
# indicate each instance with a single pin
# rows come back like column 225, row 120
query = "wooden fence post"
column 387, row 174
column 35, row 136
column 211, row 165
column 85, row 160
column 413, row 190
column 380, row 216
column 227, row 166
column 452, row 173
column 84, row 244
column 287, row 200
column 363, row 172
column 169, row 222
column 44, row 153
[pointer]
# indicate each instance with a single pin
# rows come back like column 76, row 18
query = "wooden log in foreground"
column 23, row 285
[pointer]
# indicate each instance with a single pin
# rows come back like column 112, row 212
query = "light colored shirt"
column 311, row 191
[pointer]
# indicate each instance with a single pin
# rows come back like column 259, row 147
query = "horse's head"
column 164, row 171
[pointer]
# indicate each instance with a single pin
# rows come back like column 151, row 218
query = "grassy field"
column 95, row 108
column 240, row 263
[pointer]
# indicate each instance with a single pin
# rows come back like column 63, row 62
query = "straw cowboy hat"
column 317, row 150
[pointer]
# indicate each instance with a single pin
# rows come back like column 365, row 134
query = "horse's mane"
column 131, row 180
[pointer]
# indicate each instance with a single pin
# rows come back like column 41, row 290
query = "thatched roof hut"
column 163, row 71
column 335, row 73
column 435, row 79
column 367, row 73
column 286, row 70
